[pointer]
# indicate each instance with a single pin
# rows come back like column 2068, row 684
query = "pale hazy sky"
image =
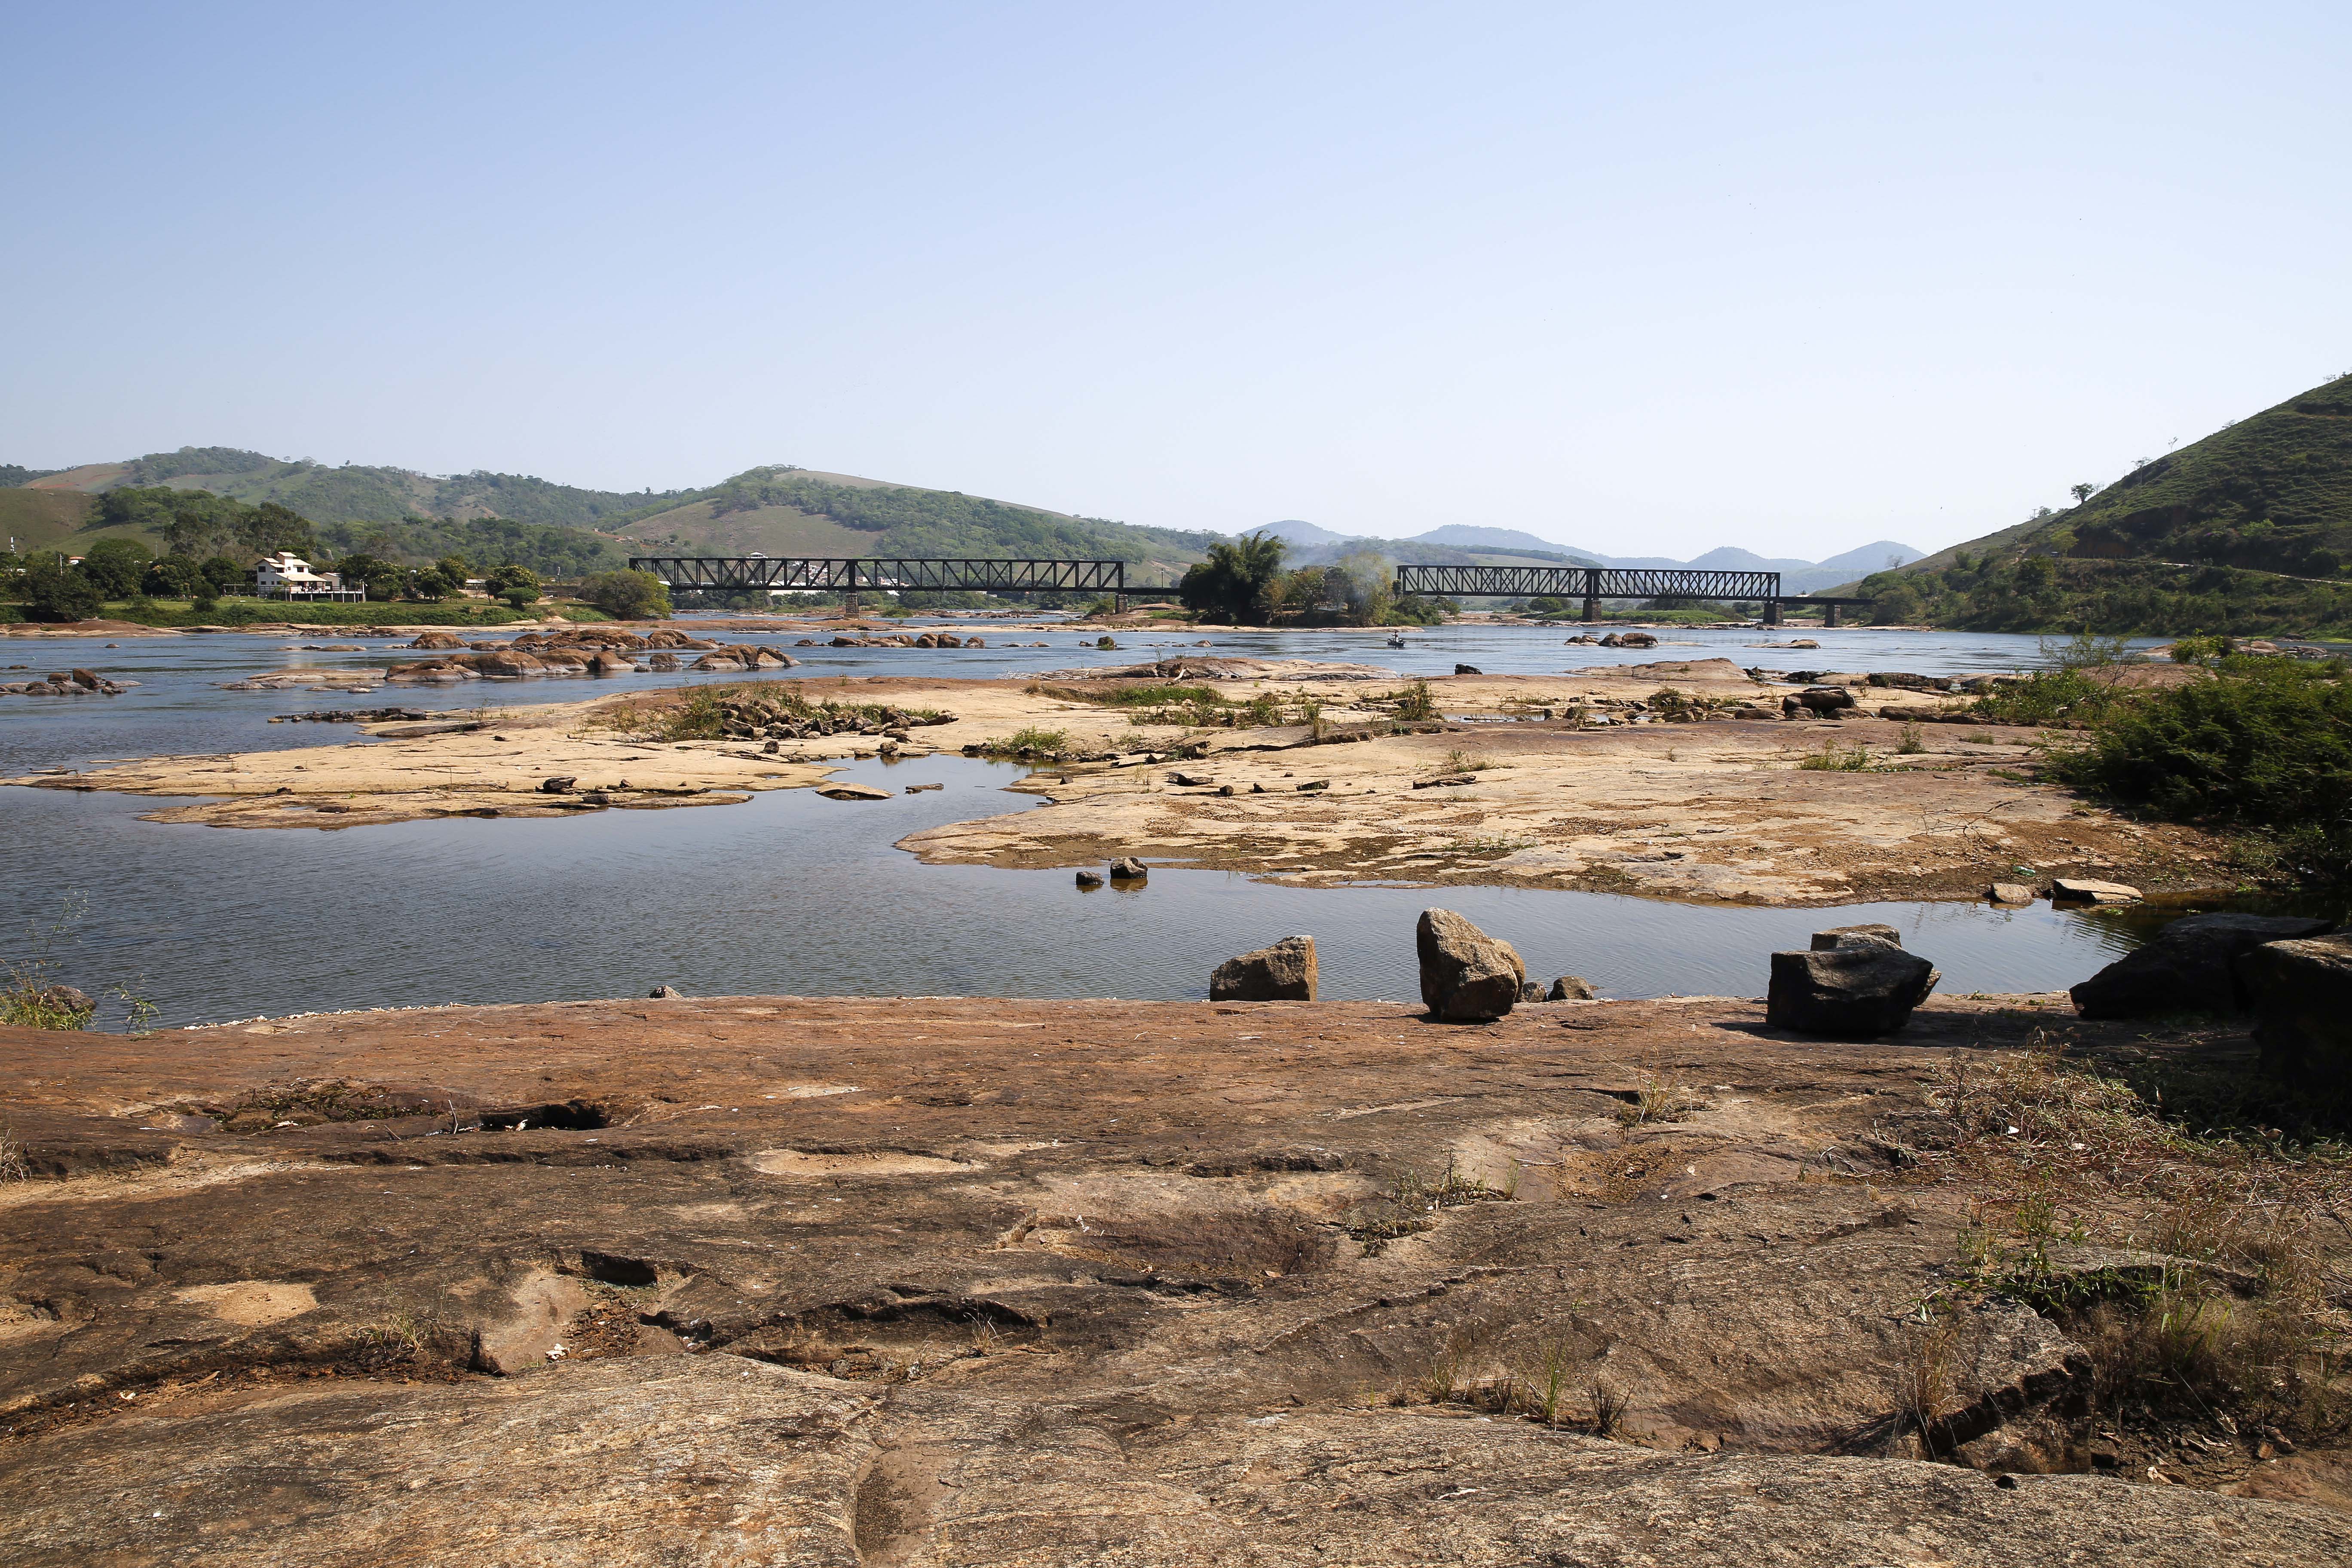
column 1645, row 280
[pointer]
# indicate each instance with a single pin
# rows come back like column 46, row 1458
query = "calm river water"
column 795, row 894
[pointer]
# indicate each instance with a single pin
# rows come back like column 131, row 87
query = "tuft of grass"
column 1834, row 758
column 1031, row 741
column 1659, row 1098
column 1910, row 741
column 1461, row 762
column 12, row 1157
column 1414, row 703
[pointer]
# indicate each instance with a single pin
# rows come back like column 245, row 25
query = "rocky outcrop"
column 1847, row 993
column 1127, row 869
column 2302, row 998
column 438, row 640
column 1283, row 972
column 845, row 790
column 73, row 683
column 2187, row 968
column 1466, row 976
column 1821, row 701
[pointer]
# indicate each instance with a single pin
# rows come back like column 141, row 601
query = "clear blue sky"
column 1646, row 279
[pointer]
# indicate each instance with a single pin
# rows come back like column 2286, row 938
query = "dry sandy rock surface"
column 961, row 1281
column 1519, row 782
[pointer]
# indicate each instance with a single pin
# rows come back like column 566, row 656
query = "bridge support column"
column 1772, row 612
column 1118, row 603
column 1829, row 616
column 1591, row 611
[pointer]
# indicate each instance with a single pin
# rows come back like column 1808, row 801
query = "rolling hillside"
column 2248, row 530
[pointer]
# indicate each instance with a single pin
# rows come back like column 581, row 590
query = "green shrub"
column 2264, row 747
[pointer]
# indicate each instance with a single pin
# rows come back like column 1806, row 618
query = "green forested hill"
column 779, row 510
column 358, row 493
column 784, row 510
column 2247, row 531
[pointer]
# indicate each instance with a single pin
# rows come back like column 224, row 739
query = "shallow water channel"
column 792, row 893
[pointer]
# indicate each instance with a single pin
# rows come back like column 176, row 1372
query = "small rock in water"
column 1283, row 972
column 1127, row 869
column 666, row 993
column 852, row 792
column 2010, row 893
column 1467, row 669
column 1090, row 878
column 1570, row 988
column 2077, row 889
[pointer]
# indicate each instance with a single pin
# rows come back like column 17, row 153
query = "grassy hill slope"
column 2248, row 530
column 786, row 510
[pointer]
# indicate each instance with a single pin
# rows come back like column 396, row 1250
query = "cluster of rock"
column 572, row 637
column 1617, row 639
column 902, row 639
column 74, row 683
column 352, row 716
column 512, row 664
column 2293, row 974
column 753, row 717
column 741, row 657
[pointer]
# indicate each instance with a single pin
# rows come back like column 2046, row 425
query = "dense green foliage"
column 630, row 596
column 52, row 590
column 354, row 493
column 2264, row 747
column 565, row 553
column 14, row 474
column 201, row 524
column 1238, row 583
column 116, row 567
column 2248, row 530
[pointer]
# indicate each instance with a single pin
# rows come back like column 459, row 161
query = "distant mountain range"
column 1460, row 544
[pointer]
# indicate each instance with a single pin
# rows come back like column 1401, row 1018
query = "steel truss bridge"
column 849, row 575
column 1593, row 584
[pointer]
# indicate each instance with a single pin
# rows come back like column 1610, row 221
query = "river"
column 794, row 894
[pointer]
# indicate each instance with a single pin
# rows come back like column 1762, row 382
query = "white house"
column 286, row 576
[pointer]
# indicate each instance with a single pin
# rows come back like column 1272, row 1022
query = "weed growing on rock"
column 1461, row 762
column 1411, row 1203
column 1910, row 742
column 12, row 1157
column 1658, row 1098
column 2219, row 1300
column 1832, row 758
column 1031, row 741
column 1414, row 703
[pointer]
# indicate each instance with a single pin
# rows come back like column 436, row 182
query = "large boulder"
column 2302, row 996
column 1852, row 992
column 1283, row 972
column 2187, row 968
column 1466, row 976
column 438, row 639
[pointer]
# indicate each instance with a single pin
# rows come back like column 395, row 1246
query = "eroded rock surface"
column 939, row 1281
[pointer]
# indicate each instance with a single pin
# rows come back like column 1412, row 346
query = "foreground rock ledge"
column 969, row 1281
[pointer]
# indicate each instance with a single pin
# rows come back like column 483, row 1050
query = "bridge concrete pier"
column 1772, row 612
column 1591, row 611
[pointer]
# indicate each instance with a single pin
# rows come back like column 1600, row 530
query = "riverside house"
column 286, row 576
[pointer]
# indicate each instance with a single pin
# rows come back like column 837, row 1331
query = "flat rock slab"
column 960, row 1280
column 723, row 1461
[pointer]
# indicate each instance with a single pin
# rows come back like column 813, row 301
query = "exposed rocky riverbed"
column 1585, row 781
column 969, row 1281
